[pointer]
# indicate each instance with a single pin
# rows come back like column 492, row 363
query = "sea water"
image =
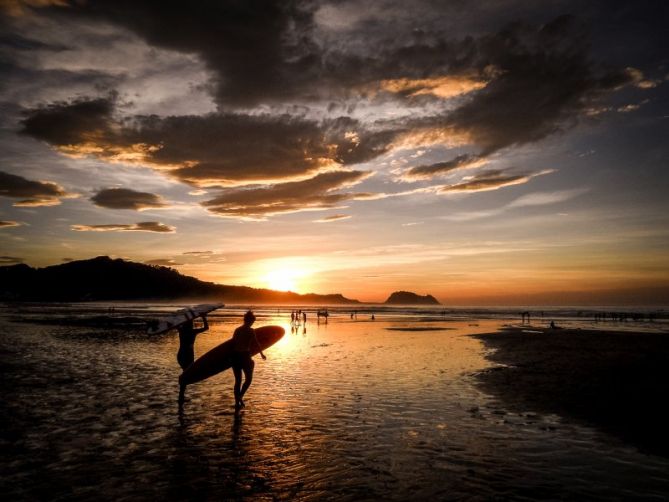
column 348, row 409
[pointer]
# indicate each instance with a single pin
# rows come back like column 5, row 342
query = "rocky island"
column 409, row 298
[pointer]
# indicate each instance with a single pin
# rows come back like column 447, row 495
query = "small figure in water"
column 243, row 340
column 187, row 334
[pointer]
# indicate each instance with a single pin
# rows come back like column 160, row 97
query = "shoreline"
column 615, row 381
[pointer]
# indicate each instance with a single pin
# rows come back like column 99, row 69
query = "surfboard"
column 159, row 326
column 219, row 358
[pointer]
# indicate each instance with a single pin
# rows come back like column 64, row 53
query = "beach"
column 408, row 406
column 613, row 380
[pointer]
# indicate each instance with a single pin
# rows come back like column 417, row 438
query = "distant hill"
column 408, row 298
column 103, row 278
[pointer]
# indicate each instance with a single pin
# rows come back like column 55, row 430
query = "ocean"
column 351, row 409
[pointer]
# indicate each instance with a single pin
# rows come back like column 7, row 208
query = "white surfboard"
column 158, row 326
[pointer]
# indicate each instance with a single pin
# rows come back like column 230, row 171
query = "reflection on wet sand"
column 344, row 410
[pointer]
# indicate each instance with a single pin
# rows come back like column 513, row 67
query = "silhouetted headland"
column 106, row 279
column 409, row 298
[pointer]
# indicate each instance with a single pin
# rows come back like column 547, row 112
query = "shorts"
column 241, row 360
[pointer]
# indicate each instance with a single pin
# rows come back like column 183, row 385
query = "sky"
column 488, row 153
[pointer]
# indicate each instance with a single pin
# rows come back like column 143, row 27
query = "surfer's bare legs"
column 182, row 396
column 248, row 378
column 185, row 357
column 240, row 390
column 238, row 384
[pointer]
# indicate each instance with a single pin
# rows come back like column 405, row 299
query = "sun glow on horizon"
column 283, row 279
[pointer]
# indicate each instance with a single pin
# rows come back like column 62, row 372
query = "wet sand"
column 613, row 380
column 340, row 411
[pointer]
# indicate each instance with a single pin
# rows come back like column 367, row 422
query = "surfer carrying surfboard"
column 187, row 334
column 243, row 341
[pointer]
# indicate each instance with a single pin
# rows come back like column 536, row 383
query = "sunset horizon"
column 505, row 156
column 334, row 250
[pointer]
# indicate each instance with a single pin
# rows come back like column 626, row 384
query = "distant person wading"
column 187, row 334
column 244, row 340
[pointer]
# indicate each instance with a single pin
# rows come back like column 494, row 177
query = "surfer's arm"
column 259, row 349
column 205, row 327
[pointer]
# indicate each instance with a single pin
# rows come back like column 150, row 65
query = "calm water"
column 349, row 410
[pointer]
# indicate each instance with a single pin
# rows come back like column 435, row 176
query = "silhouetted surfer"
column 243, row 340
column 187, row 334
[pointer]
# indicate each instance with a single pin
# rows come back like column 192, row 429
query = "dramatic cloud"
column 9, row 223
column 545, row 79
column 209, row 150
column 32, row 193
column 490, row 180
column 10, row 260
column 442, row 87
column 313, row 194
column 124, row 198
column 334, row 217
column 144, row 226
column 508, row 88
column 80, row 122
column 442, row 168
column 298, row 101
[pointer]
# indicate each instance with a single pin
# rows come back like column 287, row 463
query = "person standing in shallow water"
column 243, row 341
column 187, row 334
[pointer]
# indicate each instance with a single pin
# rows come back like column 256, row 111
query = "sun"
column 282, row 280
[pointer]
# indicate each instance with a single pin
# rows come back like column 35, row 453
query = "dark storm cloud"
column 20, row 84
column 214, row 149
column 545, row 80
column 124, row 198
column 256, row 48
column 312, row 194
column 73, row 123
column 9, row 223
column 144, row 226
column 31, row 193
column 511, row 87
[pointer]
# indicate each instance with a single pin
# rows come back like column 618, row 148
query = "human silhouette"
column 243, row 340
column 187, row 334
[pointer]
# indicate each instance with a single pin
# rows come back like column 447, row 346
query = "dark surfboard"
column 219, row 359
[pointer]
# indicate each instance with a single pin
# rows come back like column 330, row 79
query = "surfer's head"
column 249, row 318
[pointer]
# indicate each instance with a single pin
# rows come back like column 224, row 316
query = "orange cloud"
column 334, row 217
column 491, row 180
column 144, row 226
column 32, row 193
column 315, row 194
column 444, row 87
column 9, row 223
